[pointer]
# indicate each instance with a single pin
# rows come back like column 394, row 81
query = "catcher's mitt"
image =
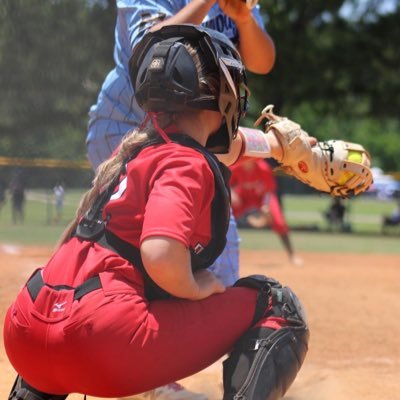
column 334, row 166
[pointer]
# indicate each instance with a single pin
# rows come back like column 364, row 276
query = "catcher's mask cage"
column 165, row 78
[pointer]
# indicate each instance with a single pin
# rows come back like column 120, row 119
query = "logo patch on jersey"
column 157, row 64
column 198, row 248
column 303, row 167
column 59, row 307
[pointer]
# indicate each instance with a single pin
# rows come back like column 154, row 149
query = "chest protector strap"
column 92, row 226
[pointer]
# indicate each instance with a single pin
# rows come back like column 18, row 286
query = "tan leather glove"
column 334, row 166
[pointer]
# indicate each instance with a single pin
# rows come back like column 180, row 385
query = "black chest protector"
column 92, row 227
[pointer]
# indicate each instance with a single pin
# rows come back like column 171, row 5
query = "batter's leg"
column 226, row 267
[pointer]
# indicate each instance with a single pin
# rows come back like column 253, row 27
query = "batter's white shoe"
column 172, row 391
column 296, row 261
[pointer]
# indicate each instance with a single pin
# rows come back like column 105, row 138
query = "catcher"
column 127, row 291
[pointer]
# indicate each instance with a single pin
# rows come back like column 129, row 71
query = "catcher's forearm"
column 252, row 143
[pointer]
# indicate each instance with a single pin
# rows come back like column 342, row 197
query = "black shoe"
column 22, row 391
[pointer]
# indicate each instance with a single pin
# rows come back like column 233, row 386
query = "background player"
column 255, row 202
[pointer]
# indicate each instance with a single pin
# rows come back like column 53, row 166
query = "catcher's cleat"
column 172, row 391
column 22, row 391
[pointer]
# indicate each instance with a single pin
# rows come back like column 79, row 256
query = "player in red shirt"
column 126, row 303
column 255, row 202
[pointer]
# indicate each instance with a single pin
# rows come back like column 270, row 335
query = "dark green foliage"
column 53, row 57
column 338, row 76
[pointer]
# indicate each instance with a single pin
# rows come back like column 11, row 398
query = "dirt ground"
column 353, row 307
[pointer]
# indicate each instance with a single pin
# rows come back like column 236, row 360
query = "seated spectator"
column 2, row 194
column 335, row 215
column 17, row 201
column 59, row 193
column 394, row 218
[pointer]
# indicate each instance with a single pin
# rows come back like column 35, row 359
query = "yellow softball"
column 355, row 156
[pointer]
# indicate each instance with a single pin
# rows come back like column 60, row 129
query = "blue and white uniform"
column 116, row 111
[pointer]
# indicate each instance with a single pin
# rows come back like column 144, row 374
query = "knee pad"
column 265, row 362
column 22, row 391
column 264, row 286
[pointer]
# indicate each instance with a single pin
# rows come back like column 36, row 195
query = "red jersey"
column 251, row 180
column 161, row 194
column 254, row 183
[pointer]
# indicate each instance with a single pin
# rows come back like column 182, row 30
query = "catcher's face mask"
column 233, row 96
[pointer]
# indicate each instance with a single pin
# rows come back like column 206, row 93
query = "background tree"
column 53, row 55
column 337, row 72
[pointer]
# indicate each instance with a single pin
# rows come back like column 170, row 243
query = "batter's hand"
column 237, row 10
column 235, row 199
column 208, row 284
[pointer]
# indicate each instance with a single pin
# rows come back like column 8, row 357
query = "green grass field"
column 323, row 242
column 365, row 215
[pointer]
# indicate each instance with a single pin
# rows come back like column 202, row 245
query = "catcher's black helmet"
column 165, row 78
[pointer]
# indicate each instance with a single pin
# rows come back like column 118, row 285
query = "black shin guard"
column 22, row 391
column 265, row 362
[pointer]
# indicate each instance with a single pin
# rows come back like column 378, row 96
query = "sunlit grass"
column 365, row 215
